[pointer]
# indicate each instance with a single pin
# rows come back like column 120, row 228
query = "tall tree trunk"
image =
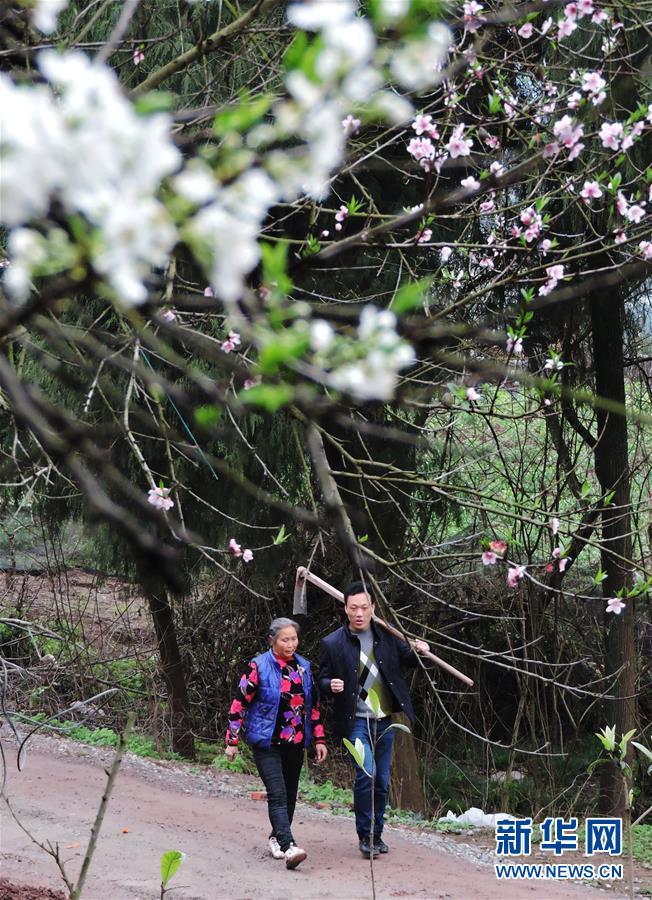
column 612, row 470
column 183, row 739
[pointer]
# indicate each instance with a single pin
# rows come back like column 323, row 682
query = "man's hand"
column 421, row 647
column 231, row 753
column 321, row 752
column 337, row 685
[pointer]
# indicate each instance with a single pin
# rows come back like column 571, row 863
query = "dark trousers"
column 280, row 767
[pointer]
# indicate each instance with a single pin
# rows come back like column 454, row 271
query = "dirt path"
column 208, row 814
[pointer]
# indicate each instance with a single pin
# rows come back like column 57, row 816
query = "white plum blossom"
column 232, row 342
column 555, row 274
column 514, row 345
column 470, row 183
column 45, row 14
column 374, row 377
column 635, row 213
column 553, row 362
column 226, row 231
column 567, row 132
column 416, row 65
column 611, row 135
column 445, row 254
column 87, row 147
column 322, row 335
column 565, row 27
column 341, row 216
column 514, row 575
column 350, row 125
column 590, row 191
column 247, row 555
column 421, row 148
column 593, row 83
column 196, row 183
column 458, row 145
column 314, row 15
column 472, row 395
column 574, row 100
column 615, row 605
column 424, row 125
column 159, row 497
column 390, row 11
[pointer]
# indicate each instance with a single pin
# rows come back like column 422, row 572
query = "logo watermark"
column 602, row 837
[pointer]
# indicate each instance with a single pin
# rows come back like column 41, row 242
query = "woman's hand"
column 321, row 752
column 422, row 647
column 231, row 753
column 337, row 685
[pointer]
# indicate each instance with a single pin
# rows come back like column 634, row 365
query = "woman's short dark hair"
column 277, row 624
column 357, row 587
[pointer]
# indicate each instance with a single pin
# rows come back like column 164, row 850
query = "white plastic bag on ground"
column 475, row 817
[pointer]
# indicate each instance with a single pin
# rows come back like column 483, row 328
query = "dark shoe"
column 365, row 848
column 380, row 845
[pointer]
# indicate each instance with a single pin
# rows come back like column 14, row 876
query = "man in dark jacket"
column 360, row 666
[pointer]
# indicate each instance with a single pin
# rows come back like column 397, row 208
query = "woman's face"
column 286, row 642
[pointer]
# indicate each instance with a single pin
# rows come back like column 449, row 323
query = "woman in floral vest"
column 277, row 703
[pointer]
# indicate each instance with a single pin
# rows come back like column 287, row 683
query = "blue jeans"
column 280, row 767
column 370, row 731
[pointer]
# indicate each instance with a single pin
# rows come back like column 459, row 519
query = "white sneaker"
column 293, row 856
column 275, row 848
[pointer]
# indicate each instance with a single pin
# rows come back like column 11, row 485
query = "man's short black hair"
column 357, row 587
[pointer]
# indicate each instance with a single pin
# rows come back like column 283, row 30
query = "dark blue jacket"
column 263, row 711
column 339, row 658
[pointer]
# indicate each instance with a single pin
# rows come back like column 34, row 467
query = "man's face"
column 359, row 610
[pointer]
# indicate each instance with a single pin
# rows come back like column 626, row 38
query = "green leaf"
column 400, row 727
column 374, row 702
column 170, row 862
column 270, row 396
column 356, row 753
column 625, row 739
column 585, row 489
column 283, row 349
column 242, row 115
column 599, row 577
column 410, row 296
column 282, row 536
column 363, row 539
column 275, row 257
column 296, row 51
column 607, row 738
column 494, row 103
column 208, row 416
column 609, row 497
column 155, row 102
